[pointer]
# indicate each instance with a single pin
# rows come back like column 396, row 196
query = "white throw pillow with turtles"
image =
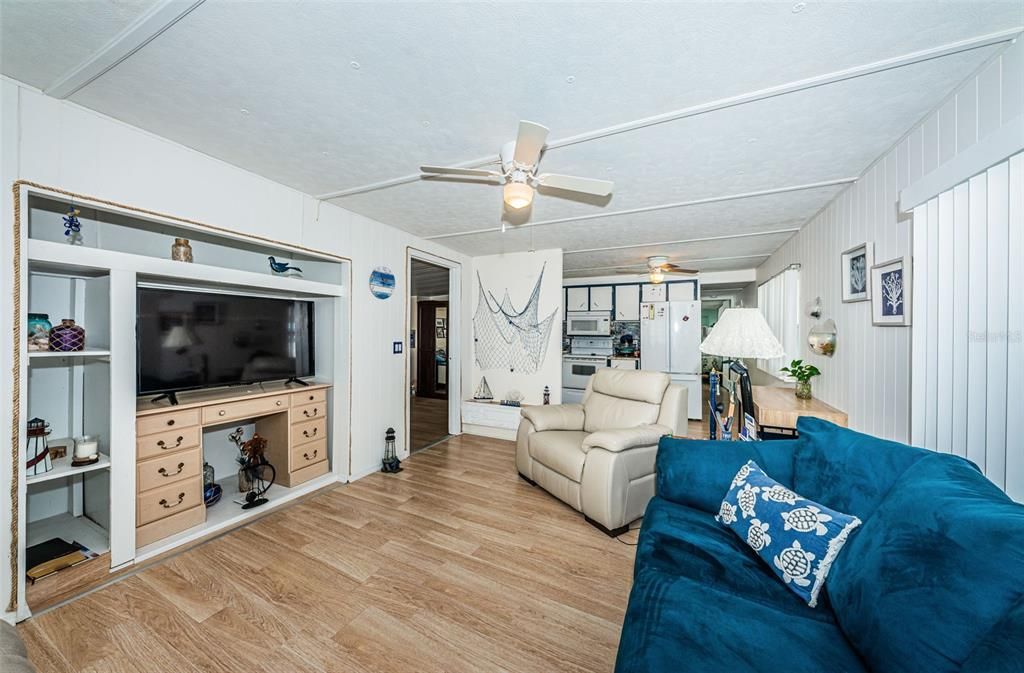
column 796, row 537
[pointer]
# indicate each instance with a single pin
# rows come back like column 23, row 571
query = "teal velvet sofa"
column 932, row 581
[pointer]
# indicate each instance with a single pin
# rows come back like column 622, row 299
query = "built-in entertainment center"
column 183, row 363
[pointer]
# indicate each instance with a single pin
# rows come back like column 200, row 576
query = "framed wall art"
column 856, row 266
column 891, row 292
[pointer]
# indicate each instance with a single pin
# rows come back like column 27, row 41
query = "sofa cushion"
column 934, row 572
column 675, row 624
column 560, row 450
column 849, row 471
column 680, row 540
column 697, row 472
column 797, row 538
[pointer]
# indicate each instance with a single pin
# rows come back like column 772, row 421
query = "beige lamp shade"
column 742, row 333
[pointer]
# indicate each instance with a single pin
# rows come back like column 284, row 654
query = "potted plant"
column 803, row 375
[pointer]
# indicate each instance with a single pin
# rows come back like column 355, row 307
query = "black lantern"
column 390, row 464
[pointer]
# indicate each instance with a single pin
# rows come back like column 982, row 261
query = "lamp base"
column 391, row 465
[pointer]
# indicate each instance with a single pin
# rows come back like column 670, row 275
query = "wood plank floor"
column 455, row 564
column 428, row 421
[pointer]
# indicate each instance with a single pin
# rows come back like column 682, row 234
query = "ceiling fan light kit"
column 518, row 174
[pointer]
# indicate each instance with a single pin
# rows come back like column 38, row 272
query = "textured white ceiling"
column 346, row 94
column 40, row 40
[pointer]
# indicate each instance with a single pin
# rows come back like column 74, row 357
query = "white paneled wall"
column 869, row 377
column 968, row 355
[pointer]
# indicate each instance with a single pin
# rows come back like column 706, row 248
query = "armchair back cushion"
column 619, row 398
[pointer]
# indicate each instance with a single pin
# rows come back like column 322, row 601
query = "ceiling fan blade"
column 475, row 172
column 529, row 143
column 574, row 184
column 672, row 268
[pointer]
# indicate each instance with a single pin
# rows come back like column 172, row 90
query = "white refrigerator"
column 670, row 342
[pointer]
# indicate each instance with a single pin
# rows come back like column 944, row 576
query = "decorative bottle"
column 181, row 251
column 67, row 336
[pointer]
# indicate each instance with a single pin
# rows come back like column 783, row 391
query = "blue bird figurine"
column 281, row 267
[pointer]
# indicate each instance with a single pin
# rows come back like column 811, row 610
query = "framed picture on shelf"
column 440, row 333
column 891, row 292
column 856, row 264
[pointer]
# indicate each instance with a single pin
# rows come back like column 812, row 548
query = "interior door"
column 427, row 380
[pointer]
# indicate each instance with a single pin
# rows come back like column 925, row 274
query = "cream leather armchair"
column 598, row 456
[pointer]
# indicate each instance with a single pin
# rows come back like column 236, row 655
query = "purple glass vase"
column 67, row 336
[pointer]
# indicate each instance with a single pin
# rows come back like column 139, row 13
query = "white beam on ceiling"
column 644, row 269
column 854, row 72
column 724, row 237
column 648, row 209
column 135, row 36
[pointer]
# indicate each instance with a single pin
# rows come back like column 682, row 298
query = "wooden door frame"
column 455, row 340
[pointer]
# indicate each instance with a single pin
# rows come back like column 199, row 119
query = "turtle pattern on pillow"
column 798, row 538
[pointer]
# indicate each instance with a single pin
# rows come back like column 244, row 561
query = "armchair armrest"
column 623, row 439
column 555, row 417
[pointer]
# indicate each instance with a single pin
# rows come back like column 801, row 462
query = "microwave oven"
column 588, row 323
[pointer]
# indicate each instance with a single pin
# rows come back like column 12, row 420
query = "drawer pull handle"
column 310, row 398
column 164, row 473
column 307, row 414
column 307, row 434
column 170, row 421
column 278, row 403
column 221, row 412
column 306, row 455
column 165, row 505
column 164, row 446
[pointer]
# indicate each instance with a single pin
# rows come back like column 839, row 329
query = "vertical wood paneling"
column 961, row 326
column 879, row 375
column 943, row 284
column 995, row 337
column 1015, row 337
column 977, row 286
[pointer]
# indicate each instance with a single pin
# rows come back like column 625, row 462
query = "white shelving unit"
column 62, row 468
column 94, row 279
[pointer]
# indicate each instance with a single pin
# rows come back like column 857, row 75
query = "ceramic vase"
column 181, row 251
column 803, row 390
column 67, row 337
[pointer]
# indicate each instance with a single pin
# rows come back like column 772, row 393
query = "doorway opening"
column 429, row 354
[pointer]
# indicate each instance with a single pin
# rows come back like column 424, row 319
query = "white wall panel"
column 870, row 375
column 979, row 367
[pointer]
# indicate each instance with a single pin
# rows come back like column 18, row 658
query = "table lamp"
column 742, row 333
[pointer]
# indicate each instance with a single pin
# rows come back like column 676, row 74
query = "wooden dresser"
column 169, row 449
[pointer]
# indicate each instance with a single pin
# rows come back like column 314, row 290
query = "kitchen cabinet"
column 577, row 299
column 651, row 292
column 601, row 298
column 684, row 291
column 624, row 363
column 627, row 302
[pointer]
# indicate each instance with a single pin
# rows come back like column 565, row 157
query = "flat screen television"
column 187, row 340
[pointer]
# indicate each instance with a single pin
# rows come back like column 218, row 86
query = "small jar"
column 181, row 251
column 67, row 337
column 38, row 332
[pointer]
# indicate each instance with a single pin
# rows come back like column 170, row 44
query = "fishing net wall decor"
column 510, row 339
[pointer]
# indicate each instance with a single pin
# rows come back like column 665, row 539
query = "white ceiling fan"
column 658, row 267
column 519, row 170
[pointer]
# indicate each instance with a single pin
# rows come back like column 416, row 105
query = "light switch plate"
column 396, row 347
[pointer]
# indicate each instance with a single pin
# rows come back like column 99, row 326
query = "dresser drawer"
column 169, row 525
column 172, row 420
column 164, row 501
column 167, row 442
column 244, row 409
column 300, row 399
column 308, row 431
column 307, row 454
column 309, row 412
column 297, row 477
column 169, row 469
